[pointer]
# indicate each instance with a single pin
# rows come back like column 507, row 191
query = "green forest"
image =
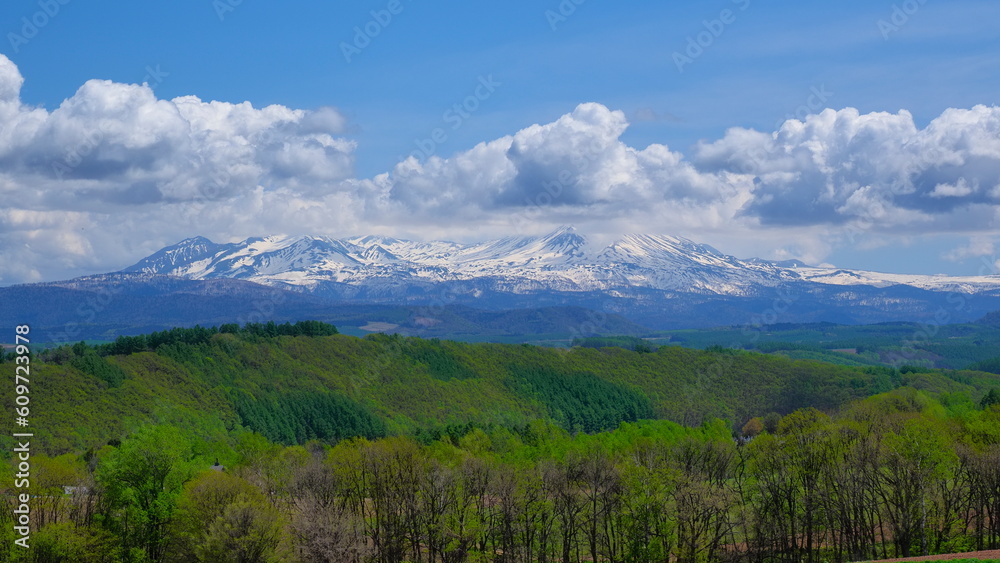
column 949, row 346
column 291, row 442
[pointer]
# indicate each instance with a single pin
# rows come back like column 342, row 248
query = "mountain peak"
column 564, row 237
column 562, row 261
column 194, row 241
column 169, row 258
column 562, row 230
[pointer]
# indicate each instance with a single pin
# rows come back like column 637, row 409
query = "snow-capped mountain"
column 561, row 261
column 557, row 283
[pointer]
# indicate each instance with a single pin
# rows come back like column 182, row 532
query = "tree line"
column 201, row 335
column 289, row 442
column 898, row 474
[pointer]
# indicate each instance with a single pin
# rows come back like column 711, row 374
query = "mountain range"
column 652, row 281
column 561, row 261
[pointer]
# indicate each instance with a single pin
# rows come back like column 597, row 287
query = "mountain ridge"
column 562, row 260
column 636, row 282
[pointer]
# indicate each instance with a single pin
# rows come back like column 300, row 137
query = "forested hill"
column 295, row 383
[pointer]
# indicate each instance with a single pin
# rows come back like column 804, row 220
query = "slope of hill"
column 947, row 346
column 502, row 448
column 216, row 380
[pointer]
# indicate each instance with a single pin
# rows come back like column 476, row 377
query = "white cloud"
column 840, row 166
column 978, row 246
column 118, row 145
column 575, row 169
column 961, row 188
column 114, row 173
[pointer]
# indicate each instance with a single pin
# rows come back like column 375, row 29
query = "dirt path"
column 991, row 554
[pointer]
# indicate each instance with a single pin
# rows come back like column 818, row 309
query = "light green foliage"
column 646, row 491
column 68, row 542
column 396, row 449
column 222, row 517
column 246, row 532
column 330, row 387
column 142, row 480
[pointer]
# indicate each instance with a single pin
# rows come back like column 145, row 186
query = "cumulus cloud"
column 575, row 168
column 114, row 173
column 841, row 166
column 835, row 171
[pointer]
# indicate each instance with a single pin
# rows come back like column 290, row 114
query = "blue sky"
column 394, row 95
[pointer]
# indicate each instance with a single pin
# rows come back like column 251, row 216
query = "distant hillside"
column 105, row 307
column 295, row 388
column 930, row 345
column 663, row 282
column 518, row 288
column 990, row 319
